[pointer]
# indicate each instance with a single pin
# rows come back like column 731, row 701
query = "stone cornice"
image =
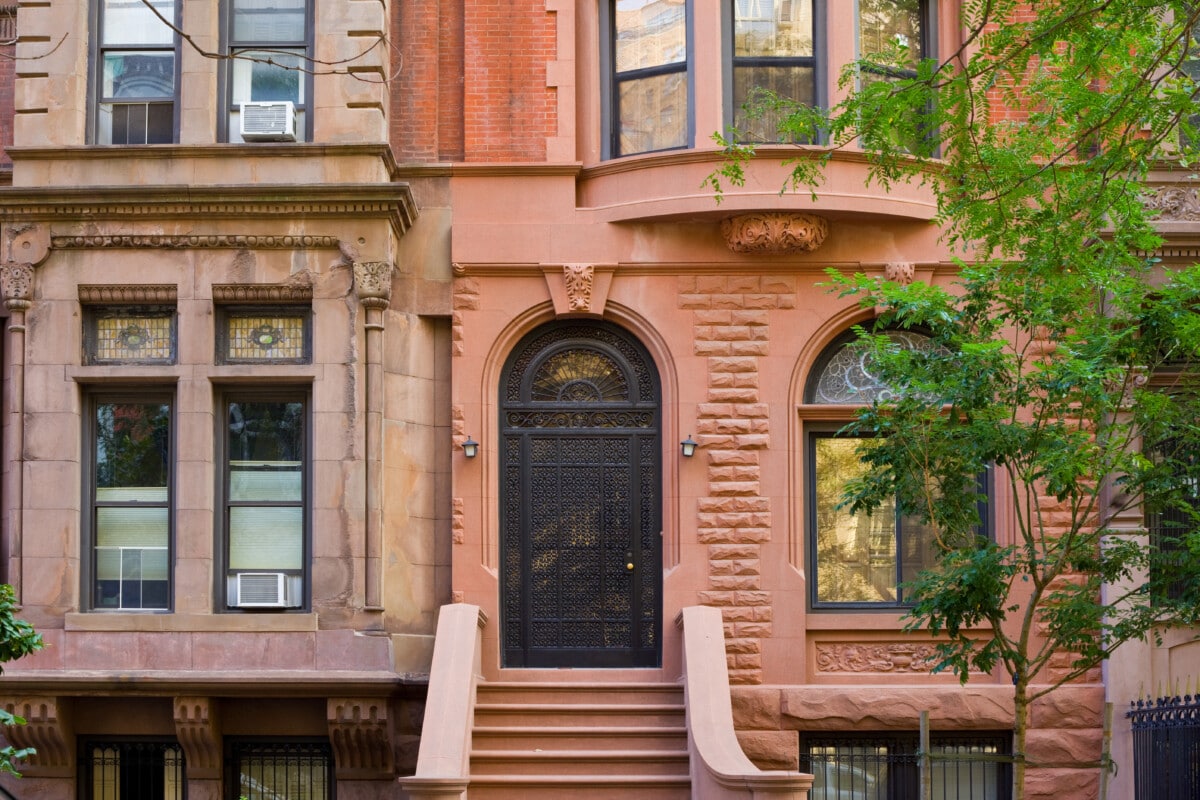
column 123, row 294
column 193, row 241
column 265, row 294
column 233, row 683
column 391, row 201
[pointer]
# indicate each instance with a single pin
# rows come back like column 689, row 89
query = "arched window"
column 857, row 560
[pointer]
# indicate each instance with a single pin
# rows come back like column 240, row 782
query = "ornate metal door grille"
column 580, row 517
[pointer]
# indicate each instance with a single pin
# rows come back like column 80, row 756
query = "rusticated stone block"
column 719, row 551
column 732, row 457
column 708, row 598
column 732, row 380
column 744, row 677
column 771, row 749
column 756, row 709
column 735, row 582
column 747, row 661
column 734, row 487
column 734, row 473
column 733, row 535
column 694, row 301
column 720, row 317
column 724, row 504
column 731, row 333
column 734, row 394
column 779, row 284
column 746, row 614
column 1063, row 748
column 733, row 365
column 753, row 598
column 729, row 301
column 876, row 708
column 749, row 349
column 1069, row 707
column 710, row 348
column 743, row 283
column 715, row 410
column 1048, row 784
column 755, row 318
column 759, row 629
column 711, row 283
column 753, row 441
column 760, row 301
column 730, row 426
column 752, row 409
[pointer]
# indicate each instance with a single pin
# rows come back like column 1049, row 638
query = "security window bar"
column 1170, row 525
column 265, row 336
column 135, row 83
column 129, row 504
column 270, row 44
column 129, row 336
column 650, row 76
column 774, row 49
column 298, row 770
column 265, row 495
column 963, row 766
column 132, row 770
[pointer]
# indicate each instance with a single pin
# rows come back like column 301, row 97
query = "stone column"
column 373, row 285
column 16, row 284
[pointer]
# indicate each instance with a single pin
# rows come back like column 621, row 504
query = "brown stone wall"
column 731, row 329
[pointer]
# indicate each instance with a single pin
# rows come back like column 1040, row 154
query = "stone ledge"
column 192, row 623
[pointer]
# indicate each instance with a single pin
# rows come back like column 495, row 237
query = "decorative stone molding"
column 579, row 279
column 16, row 284
column 774, row 233
column 875, row 657
column 373, row 282
column 360, row 733
column 458, row 524
column 193, row 241
column 1173, row 203
column 48, row 728
column 263, row 294
column 901, row 272
column 198, row 729
column 128, row 294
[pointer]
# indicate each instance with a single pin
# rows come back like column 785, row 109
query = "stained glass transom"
column 579, row 376
column 131, row 337
column 637, row 373
column 849, row 376
column 266, row 337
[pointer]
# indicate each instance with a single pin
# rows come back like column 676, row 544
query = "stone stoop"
column 579, row 741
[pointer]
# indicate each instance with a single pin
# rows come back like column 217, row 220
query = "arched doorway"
column 580, row 507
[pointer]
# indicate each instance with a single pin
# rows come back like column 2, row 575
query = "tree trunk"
column 1020, row 724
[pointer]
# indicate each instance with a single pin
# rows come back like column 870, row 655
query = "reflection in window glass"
column 135, row 89
column 884, row 24
column 256, row 80
column 134, row 22
column 650, row 75
column 773, row 50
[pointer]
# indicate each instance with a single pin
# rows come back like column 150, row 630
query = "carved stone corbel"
column 774, row 233
column 579, row 279
column 48, row 728
column 901, row 272
column 16, row 285
column 578, row 288
column 197, row 726
column 373, row 282
column 360, row 733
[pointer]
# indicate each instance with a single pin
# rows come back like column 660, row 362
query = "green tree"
column 1066, row 354
column 17, row 639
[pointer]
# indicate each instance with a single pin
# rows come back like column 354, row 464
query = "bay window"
column 650, row 76
column 774, row 49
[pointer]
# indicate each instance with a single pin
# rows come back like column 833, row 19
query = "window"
column 141, row 335
column 132, row 770
column 270, row 42
column 265, row 770
column 247, row 335
column 265, row 495
column 865, row 766
column 135, row 76
column 128, row 522
column 774, row 48
column 651, row 90
column 884, row 25
column 1168, row 526
column 858, row 560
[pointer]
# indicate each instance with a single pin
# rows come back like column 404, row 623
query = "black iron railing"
column 1166, row 748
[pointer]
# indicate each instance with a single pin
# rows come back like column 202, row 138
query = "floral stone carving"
column 774, row 233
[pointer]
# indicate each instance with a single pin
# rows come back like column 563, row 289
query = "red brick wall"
column 427, row 103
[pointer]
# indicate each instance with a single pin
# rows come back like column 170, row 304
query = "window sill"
column 192, row 623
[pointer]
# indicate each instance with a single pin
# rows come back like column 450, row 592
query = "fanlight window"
column 579, row 376
column 849, row 375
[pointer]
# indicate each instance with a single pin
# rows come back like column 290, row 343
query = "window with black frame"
column 129, row 769
column 1169, row 524
column 650, row 75
column 774, row 49
column 269, row 769
column 129, row 516
column 134, row 83
column 265, row 494
column 270, row 47
column 858, row 560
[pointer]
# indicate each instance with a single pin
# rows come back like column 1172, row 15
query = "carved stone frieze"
column 359, row 731
column 262, row 294
column 1173, row 203
column 875, row 657
column 48, row 728
column 901, row 272
column 192, row 241
column 579, row 279
column 373, row 281
column 128, row 294
column 16, row 284
column 774, row 233
column 198, row 729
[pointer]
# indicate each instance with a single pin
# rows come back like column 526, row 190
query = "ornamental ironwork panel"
column 1166, row 748
column 580, row 529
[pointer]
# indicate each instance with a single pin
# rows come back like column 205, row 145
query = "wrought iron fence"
column 1166, row 748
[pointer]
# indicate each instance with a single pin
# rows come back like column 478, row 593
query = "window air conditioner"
column 264, row 590
column 269, row 122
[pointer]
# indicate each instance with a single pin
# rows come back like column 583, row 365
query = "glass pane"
column 856, row 553
column 255, row 80
column 650, row 33
column 265, row 432
column 268, row 21
column 278, row 481
column 791, row 83
column 139, row 74
column 884, row 23
column 773, row 28
column 131, row 527
column 265, row 337
column 654, row 113
column 266, row 538
column 132, row 447
column 131, row 22
column 850, row 375
column 849, row 772
column 298, row 776
column 130, row 337
column 130, row 577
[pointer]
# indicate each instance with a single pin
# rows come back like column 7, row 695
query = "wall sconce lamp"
column 470, row 447
column 688, row 446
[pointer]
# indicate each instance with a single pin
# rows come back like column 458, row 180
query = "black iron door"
column 581, row 564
